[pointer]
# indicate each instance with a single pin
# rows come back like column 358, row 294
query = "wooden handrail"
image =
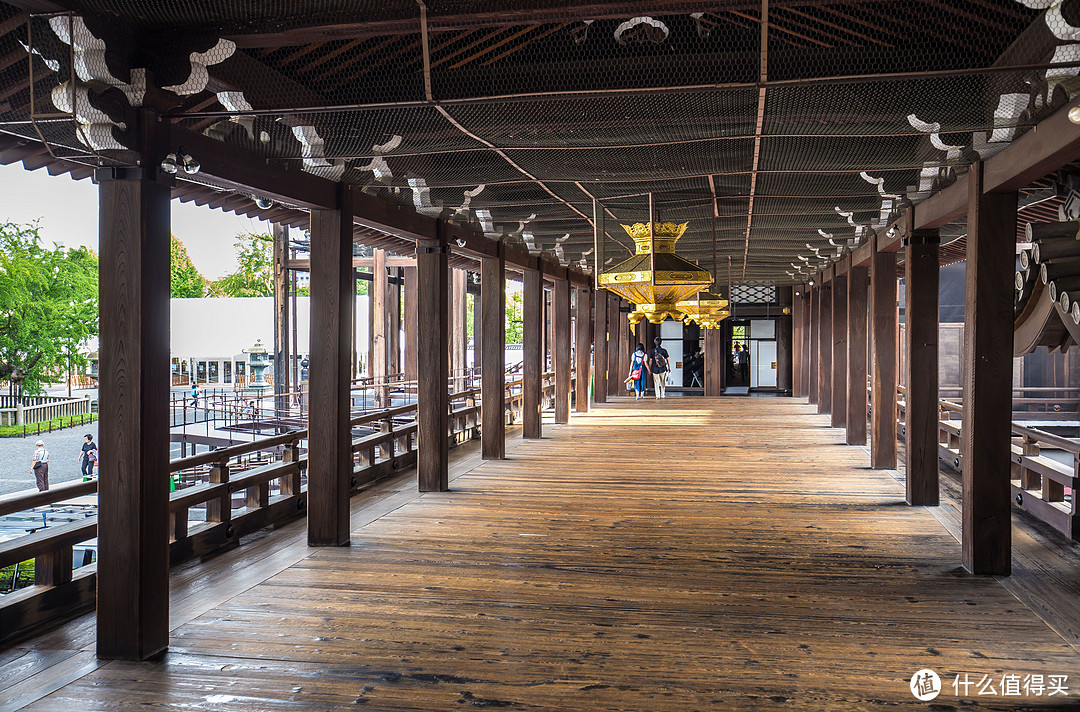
column 20, row 501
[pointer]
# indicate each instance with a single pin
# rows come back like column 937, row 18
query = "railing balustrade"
column 238, row 489
column 1041, row 485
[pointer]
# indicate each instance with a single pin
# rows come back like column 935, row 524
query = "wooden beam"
column 133, row 497
column 988, row 337
column 364, row 263
column 330, row 441
column 493, row 327
column 1054, row 143
column 281, row 319
column 921, row 368
column 839, row 376
column 883, row 366
column 600, row 346
column 433, row 454
column 583, row 330
column 858, row 285
column 532, row 308
column 560, row 317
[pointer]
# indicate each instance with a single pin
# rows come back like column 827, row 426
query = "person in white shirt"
column 40, row 466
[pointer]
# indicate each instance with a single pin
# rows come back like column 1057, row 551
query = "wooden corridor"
column 686, row 554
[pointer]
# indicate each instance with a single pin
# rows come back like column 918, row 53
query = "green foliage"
column 48, row 307
column 185, row 281
column 513, row 317
column 9, row 582
column 48, row 426
column 254, row 276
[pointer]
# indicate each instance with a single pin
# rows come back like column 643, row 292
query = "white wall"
column 211, row 327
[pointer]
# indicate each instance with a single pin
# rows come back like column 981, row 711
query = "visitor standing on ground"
column 659, row 365
column 88, row 457
column 639, row 366
column 40, row 466
column 194, row 395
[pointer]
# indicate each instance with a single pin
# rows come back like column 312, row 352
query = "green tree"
column 513, row 317
column 254, row 276
column 48, row 307
column 185, row 281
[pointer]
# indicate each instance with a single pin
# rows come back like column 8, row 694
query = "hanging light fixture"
column 705, row 309
column 655, row 279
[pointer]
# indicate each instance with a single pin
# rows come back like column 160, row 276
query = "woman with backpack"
column 639, row 366
column 658, row 363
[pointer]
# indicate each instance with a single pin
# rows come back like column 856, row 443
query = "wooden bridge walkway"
column 686, row 554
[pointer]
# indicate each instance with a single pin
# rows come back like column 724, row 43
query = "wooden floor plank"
column 675, row 555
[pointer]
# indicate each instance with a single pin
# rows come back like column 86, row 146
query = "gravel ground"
column 64, row 446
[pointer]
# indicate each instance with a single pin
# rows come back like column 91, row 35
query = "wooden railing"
column 241, row 489
column 41, row 409
column 1041, row 486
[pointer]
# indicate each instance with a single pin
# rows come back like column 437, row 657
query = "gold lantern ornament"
column 705, row 309
column 655, row 279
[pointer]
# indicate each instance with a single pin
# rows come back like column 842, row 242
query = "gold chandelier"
column 706, row 309
column 655, row 279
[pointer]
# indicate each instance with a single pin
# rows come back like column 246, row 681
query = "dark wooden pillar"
column 330, row 440
column 988, row 342
column 560, row 308
column 883, row 368
column 493, row 387
column 133, row 493
column 921, row 376
column 784, row 337
column 532, row 331
column 814, row 309
column 411, row 333
column 839, row 377
column 478, row 330
column 600, row 346
column 380, row 365
column 281, row 319
column 393, row 342
column 583, row 332
column 858, row 286
column 615, row 322
column 716, row 361
column 433, row 357
column 825, row 350
column 625, row 347
column 798, row 335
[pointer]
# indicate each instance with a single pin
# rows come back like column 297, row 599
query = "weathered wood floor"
column 677, row 555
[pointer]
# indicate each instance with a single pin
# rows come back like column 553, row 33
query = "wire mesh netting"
column 517, row 116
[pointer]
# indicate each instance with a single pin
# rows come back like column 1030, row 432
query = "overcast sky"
column 68, row 211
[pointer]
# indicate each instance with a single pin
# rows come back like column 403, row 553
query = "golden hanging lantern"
column 655, row 279
column 705, row 309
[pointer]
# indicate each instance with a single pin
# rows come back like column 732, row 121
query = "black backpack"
column 661, row 361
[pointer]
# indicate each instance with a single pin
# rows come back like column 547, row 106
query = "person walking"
column 40, row 466
column 88, row 457
column 639, row 366
column 659, row 365
column 194, row 395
